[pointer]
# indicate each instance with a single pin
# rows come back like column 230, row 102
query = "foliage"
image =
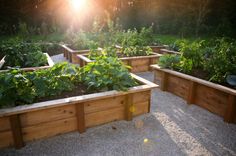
column 107, row 73
column 169, row 61
column 21, row 54
column 18, row 87
column 220, row 60
column 215, row 57
column 136, row 51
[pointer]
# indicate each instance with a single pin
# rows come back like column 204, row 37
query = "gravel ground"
column 172, row 128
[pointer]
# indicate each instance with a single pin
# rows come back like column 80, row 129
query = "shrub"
column 107, row 73
column 169, row 61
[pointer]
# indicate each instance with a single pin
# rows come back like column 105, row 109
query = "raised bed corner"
column 216, row 98
column 26, row 123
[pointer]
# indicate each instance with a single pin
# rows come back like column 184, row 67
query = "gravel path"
column 172, row 128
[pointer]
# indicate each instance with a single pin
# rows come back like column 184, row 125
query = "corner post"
column 16, row 131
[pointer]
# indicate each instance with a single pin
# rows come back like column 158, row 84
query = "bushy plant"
column 21, row 54
column 220, row 60
column 18, row 87
column 107, row 73
column 136, row 51
column 169, row 61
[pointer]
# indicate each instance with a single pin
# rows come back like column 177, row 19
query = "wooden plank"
column 164, row 80
column 200, row 81
column 230, row 112
column 213, row 100
column 141, row 108
column 102, row 117
column 80, row 117
column 129, row 107
column 6, row 139
column 47, row 115
column 103, row 104
column 4, row 124
column 141, row 97
column 191, row 92
column 178, row 86
column 50, row 129
column 16, row 131
column 157, row 76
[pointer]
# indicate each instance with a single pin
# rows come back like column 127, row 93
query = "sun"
column 78, row 4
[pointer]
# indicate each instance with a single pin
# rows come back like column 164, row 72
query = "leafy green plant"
column 18, row 87
column 107, row 73
column 136, row 51
column 169, row 61
column 21, row 54
column 220, row 60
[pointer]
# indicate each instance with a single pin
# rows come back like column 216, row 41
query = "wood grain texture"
column 80, row 117
column 213, row 100
column 50, row 129
column 105, row 116
column 230, row 112
column 16, row 131
column 4, row 124
column 6, row 139
column 47, row 115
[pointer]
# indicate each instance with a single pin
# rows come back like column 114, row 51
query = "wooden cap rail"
column 224, row 104
column 194, row 79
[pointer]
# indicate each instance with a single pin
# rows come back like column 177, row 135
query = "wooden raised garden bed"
column 70, row 54
column 26, row 123
column 137, row 63
column 216, row 98
column 50, row 64
column 157, row 49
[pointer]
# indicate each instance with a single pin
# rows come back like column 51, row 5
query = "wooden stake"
column 129, row 107
column 16, row 131
column 231, row 109
column 80, row 117
column 191, row 94
column 164, row 81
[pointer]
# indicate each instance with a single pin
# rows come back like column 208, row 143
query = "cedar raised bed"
column 157, row 49
column 215, row 98
column 70, row 54
column 137, row 63
column 26, row 123
column 50, row 64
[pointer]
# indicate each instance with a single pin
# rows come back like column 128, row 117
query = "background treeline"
column 176, row 17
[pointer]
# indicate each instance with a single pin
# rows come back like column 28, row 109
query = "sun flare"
column 78, row 4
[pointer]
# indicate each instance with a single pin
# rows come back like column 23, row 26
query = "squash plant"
column 19, row 87
column 107, row 73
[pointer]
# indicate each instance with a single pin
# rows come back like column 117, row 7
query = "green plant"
column 107, row 73
column 136, row 51
column 21, row 54
column 220, row 60
column 18, row 87
column 169, row 61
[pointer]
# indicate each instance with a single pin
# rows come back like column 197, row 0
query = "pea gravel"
column 172, row 128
